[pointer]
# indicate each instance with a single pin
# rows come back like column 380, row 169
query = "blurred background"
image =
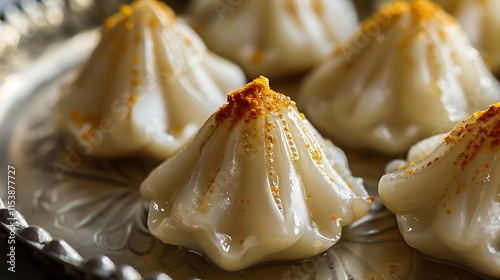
column 28, row 27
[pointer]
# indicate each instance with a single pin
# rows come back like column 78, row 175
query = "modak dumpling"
column 481, row 23
column 147, row 87
column 408, row 74
column 447, row 197
column 274, row 38
column 480, row 20
column 258, row 183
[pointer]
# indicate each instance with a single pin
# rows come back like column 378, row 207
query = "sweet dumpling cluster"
column 148, row 86
column 416, row 76
column 251, row 180
column 447, row 196
column 274, row 38
column 258, row 183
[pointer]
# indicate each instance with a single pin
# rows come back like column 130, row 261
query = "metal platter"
column 85, row 218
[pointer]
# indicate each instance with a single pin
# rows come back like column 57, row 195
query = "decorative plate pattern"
column 87, row 216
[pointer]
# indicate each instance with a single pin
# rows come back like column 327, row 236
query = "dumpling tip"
column 141, row 8
column 485, row 128
column 255, row 100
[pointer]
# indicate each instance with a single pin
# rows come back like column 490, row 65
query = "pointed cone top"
column 130, row 15
column 255, row 100
column 480, row 131
column 153, row 77
column 412, row 60
column 420, row 18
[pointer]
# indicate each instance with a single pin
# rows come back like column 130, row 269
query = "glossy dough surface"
column 480, row 20
column 258, row 183
column 274, row 38
column 408, row 74
column 148, row 86
column 447, row 196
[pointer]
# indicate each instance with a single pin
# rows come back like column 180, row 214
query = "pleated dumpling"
column 447, row 195
column 258, row 183
column 147, row 87
column 274, row 38
column 480, row 20
column 408, row 74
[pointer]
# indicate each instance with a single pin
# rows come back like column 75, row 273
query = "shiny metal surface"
column 91, row 220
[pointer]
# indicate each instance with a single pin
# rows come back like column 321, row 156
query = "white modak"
column 147, row 87
column 274, row 38
column 447, row 195
column 480, row 20
column 408, row 74
column 258, row 183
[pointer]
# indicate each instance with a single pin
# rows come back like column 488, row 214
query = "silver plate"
column 85, row 216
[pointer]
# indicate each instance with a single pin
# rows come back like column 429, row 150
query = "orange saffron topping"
column 256, row 57
column 420, row 11
column 409, row 171
column 133, row 99
column 129, row 25
column 480, row 131
column 136, row 60
column 77, row 119
column 136, row 12
column 88, row 125
column 423, row 15
column 316, row 155
column 255, row 100
column 317, row 7
column 125, row 10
